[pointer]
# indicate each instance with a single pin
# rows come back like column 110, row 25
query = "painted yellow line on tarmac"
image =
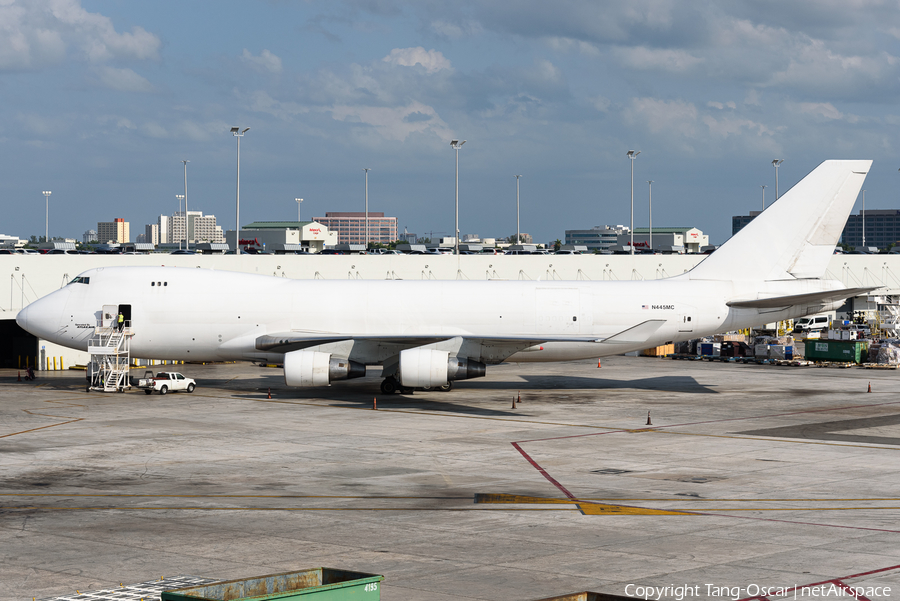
column 600, row 509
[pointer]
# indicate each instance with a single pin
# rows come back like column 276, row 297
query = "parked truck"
column 165, row 382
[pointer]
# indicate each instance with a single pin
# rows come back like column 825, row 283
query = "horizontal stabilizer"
column 635, row 334
column 800, row 299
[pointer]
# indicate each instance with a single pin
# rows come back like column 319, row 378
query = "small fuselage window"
column 81, row 280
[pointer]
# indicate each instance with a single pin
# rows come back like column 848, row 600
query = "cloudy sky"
column 102, row 99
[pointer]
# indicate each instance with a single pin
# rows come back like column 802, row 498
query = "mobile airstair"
column 110, row 350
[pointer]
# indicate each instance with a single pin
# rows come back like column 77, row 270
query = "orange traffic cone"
column 870, row 387
column 648, row 419
column 514, row 403
column 519, row 397
column 374, row 403
column 270, row 393
column 598, row 363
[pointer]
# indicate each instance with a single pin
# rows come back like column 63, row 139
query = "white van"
column 812, row 323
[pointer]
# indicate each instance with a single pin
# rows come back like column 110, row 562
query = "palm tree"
column 557, row 244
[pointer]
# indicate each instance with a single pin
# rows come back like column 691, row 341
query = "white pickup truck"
column 165, row 382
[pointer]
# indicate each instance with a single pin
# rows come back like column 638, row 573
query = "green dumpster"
column 317, row 584
column 850, row 351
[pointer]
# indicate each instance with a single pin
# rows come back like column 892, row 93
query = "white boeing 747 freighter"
column 426, row 334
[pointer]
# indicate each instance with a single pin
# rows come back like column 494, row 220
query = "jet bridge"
column 110, row 350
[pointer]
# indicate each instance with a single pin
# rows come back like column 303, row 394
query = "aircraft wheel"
column 164, row 390
column 446, row 387
column 190, row 388
column 389, row 386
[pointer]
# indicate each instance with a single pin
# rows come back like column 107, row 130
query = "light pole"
column 456, row 145
column 763, row 197
column 47, row 194
column 518, row 234
column 180, row 197
column 366, row 169
column 650, row 186
column 776, row 163
column 187, row 238
column 864, row 219
column 237, row 133
column 299, row 202
column 632, row 154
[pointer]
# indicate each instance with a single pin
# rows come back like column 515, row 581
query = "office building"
column 89, row 236
column 739, row 222
column 200, row 228
column 351, row 227
column 113, row 232
column 882, row 228
column 599, row 237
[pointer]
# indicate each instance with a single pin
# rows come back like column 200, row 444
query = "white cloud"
column 396, row 123
column 663, row 59
column 455, row 31
column 658, row 116
column 266, row 61
column 432, row 60
column 563, row 44
column 822, row 109
column 123, row 80
column 37, row 33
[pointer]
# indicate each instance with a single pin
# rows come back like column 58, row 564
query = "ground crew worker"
column 121, row 321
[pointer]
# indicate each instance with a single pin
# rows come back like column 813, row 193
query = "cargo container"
column 848, row 351
column 316, row 584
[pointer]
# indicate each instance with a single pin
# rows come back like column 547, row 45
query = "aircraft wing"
column 293, row 341
column 799, row 299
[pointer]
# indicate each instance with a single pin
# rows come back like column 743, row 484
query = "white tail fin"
column 795, row 236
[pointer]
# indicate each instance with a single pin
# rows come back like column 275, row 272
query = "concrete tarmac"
column 749, row 478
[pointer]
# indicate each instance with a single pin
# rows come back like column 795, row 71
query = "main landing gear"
column 390, row 385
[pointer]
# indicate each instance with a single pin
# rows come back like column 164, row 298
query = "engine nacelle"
column 312, row 368
column 426, row 368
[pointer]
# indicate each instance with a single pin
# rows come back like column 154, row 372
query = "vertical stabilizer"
column 796, row 235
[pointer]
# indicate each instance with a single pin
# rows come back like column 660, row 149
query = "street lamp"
column 366, row 169
column 776, row 163
column 632, row 154
column 187, row 238
column 237, row 133
column 518, row 235
column 456, row 145
column 864, row 219
column 299, row 202
column 47, row 194
column 763, row 197
column 650, row 186
column 180, row 197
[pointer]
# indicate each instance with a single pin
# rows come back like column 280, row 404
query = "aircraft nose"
column 44, row 316
column 22, row 318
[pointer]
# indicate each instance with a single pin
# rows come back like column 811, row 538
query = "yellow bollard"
column 20, row 361
column 48, row 363
column 54, row 363
column 60, row 364
column 26, row 361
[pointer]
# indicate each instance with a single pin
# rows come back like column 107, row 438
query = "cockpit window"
column 81, row 280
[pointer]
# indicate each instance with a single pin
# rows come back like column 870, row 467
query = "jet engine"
column 311, row 368
column 425, row 368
